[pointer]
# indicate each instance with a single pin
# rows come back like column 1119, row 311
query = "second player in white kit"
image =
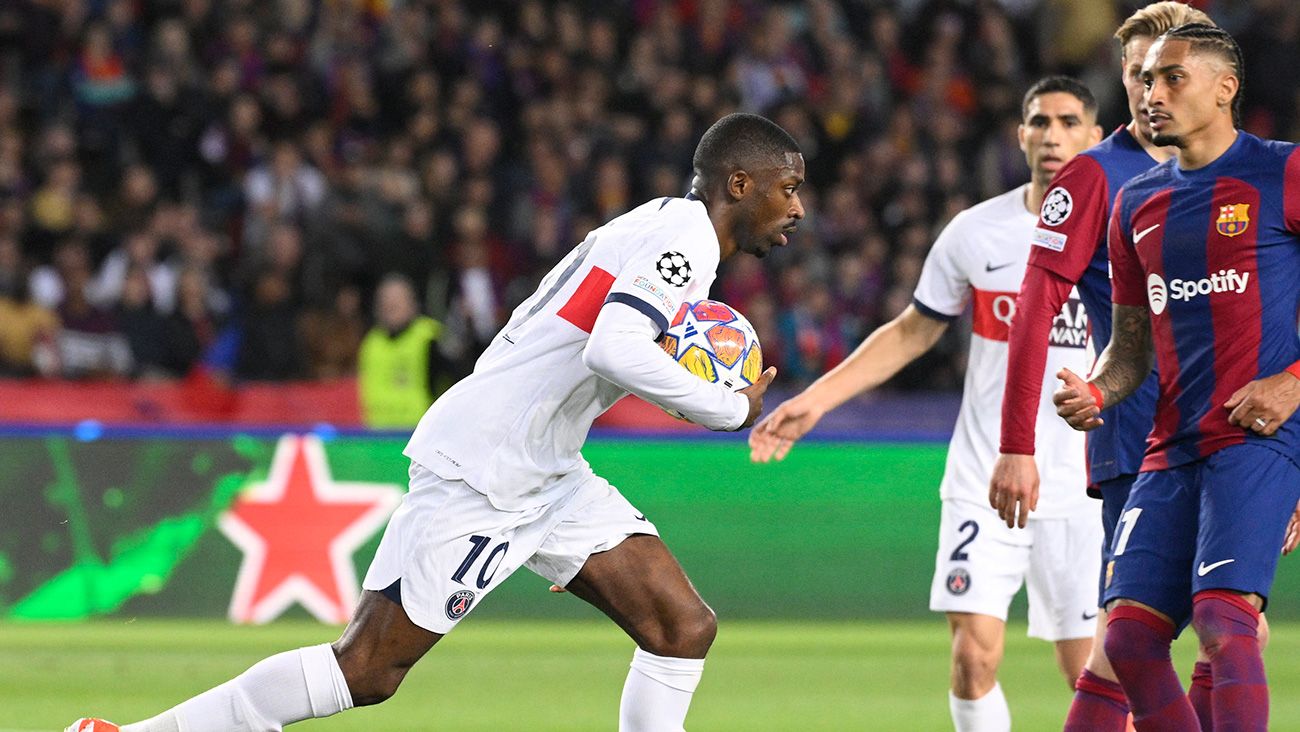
column 979, row 260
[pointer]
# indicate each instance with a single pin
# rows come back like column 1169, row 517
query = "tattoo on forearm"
column 1128, row 359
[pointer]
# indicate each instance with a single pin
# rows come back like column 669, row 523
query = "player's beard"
column 1165, row 139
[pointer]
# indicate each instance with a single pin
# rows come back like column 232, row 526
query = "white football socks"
column 276, row 691
column 988, row 713
column 658, row 692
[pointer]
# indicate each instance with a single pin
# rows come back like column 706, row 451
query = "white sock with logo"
column 276, row 691
column 988, row 713
column 658, row 692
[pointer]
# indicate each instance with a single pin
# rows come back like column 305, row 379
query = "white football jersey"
column 981, row 257
column 514, row 428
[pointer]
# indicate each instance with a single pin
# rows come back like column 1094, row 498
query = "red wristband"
column 1293, row 369
column 1096, row 395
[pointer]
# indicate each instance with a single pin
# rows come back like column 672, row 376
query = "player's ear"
column 738, row 184
column 1022, row 134
column 1228, row 86
column 1095, row 135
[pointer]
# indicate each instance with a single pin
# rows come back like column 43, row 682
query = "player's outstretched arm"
column 1266, row 404
column 1120, row 370
column 884, row 353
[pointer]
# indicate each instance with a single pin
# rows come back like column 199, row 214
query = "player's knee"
column 685, row 634
column 974, row 665
column 1220, row 618
column 1117, row 648
column 370, row 678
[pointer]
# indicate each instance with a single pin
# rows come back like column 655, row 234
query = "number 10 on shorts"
column 490, row 565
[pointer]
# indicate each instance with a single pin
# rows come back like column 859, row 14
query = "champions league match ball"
column 714, row 341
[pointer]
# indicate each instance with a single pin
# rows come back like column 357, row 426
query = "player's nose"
column 796, row 208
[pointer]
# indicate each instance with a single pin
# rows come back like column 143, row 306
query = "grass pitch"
column 562, row 675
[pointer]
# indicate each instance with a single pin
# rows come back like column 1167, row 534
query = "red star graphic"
column 298, row 531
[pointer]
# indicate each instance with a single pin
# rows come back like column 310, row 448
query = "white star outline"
column 296, row 588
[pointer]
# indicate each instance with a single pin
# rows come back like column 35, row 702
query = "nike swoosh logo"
column 990, row 268
column 1205, row 569
column 641, row 517
column 1089, row 616
column 1140, row 235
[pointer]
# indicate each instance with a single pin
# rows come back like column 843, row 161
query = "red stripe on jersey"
column 584, row 304
column 1126, row 285
column 1291, row 192
column 1150, row 251
column 993, row 313
column 1236, row 365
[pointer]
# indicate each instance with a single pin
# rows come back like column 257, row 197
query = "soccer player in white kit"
column 980, row 259
column 497, row 479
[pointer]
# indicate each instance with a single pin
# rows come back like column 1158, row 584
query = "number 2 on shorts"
column 957, row 554
column 484, row 575
column 1128, row 520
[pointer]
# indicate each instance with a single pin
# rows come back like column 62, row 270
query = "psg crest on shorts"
column 958, row 581
column 458, row 604
column 674, row 269
column 1233, row 219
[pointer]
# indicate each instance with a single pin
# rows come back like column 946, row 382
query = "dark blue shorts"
column 1114, row 494
column 1214, row 524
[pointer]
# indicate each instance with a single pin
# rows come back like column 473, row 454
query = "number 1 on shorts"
column 1128, row 520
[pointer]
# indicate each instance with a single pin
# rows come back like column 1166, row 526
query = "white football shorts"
column 981, row 564
column 450, row 546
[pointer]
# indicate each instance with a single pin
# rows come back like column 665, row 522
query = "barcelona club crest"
column 1233, row 219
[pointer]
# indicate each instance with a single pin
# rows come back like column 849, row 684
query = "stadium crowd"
column 226, row 182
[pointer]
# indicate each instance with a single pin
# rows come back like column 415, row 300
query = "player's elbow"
column 600, row 359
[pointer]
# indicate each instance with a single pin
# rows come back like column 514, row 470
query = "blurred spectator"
column 333, row 336
column 90, row 343
column 401, row 368
column 270, row 347
column 286, row 188
column 139, row 252
column 160, row 347
column 27, row 329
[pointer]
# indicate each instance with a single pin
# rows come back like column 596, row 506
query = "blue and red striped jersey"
column 1214, row 253
column 1070, row 240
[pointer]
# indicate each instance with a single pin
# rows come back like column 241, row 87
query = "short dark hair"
column 1066, row 84
column 740, row 141
column 1220, row 42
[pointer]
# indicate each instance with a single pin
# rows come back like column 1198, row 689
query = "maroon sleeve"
column 1127, row 284
column 1072, row 223
column 1291, row 191
column 1041, row 295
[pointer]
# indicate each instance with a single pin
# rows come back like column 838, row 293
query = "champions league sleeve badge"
column 1057, row 205
column 674, row 268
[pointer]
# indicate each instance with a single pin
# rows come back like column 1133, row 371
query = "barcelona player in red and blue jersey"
column 1070, row 250
column 1205, row 260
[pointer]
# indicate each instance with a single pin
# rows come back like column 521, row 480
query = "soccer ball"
column 714, row 341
